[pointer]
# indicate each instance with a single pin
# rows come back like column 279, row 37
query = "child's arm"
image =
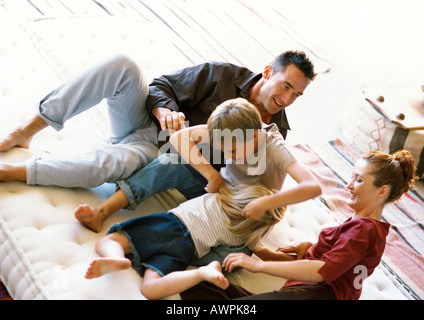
column 308, row 187
column 300, row 270
column 185, row 142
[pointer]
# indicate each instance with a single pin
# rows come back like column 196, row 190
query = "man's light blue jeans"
column 133, row 134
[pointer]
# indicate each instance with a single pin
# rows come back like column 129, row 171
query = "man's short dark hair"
column 297, row 58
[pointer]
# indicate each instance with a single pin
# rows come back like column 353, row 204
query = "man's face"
column 282, row 88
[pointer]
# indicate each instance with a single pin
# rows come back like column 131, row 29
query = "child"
column 254, row 153
column 260, row 158
column 165, row 244
column 336, row 266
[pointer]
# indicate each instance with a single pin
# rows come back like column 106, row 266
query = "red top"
column 351, row 252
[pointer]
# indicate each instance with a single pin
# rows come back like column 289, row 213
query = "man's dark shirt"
column 197, row 91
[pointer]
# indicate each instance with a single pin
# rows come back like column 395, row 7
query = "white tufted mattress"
column 44, row 251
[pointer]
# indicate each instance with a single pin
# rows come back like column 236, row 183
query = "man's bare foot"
column 102, row 266
column 89, row 217
column 22, row 136
column 213, row 274
column 17, row 138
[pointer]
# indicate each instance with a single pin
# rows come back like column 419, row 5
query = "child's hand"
column 254, row 209
column 242, row 260
column 215, row 183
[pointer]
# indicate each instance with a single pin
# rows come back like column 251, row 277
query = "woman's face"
column 363, row 192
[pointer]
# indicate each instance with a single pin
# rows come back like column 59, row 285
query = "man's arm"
column 195, row 90
column 169, row 93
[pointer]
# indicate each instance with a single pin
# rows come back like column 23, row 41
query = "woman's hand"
column 242, row 260
column 298, row 248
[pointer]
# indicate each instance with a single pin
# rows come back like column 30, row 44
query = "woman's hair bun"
column 407, row 163
column 396, row 170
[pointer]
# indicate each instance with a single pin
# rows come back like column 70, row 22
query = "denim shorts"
column 160, row 242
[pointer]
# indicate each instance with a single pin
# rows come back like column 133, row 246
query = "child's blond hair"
column 235, row 115
column 233, row 199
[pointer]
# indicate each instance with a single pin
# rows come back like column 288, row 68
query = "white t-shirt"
column 266, row 167
column 205, row 218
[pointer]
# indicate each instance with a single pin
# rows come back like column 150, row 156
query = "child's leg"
column 112, row 250
column 93, row 217
column 156, row 287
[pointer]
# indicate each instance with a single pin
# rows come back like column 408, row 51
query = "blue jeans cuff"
column 129, row 194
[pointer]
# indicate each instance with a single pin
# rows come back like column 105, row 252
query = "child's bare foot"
column 89, row 217
column 102, row 266
column 17, row 138
column 213, row 274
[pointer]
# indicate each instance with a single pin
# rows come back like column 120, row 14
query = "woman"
column 161, row 246
column 335, row 267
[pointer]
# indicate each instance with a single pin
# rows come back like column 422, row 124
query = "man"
column 191, row 94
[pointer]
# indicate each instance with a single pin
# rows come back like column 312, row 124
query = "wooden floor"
column 245, row 32
column 348, row 41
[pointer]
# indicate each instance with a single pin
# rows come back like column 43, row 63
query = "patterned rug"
column 332, row 164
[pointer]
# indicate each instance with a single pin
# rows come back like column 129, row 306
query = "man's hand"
column 171, row 120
